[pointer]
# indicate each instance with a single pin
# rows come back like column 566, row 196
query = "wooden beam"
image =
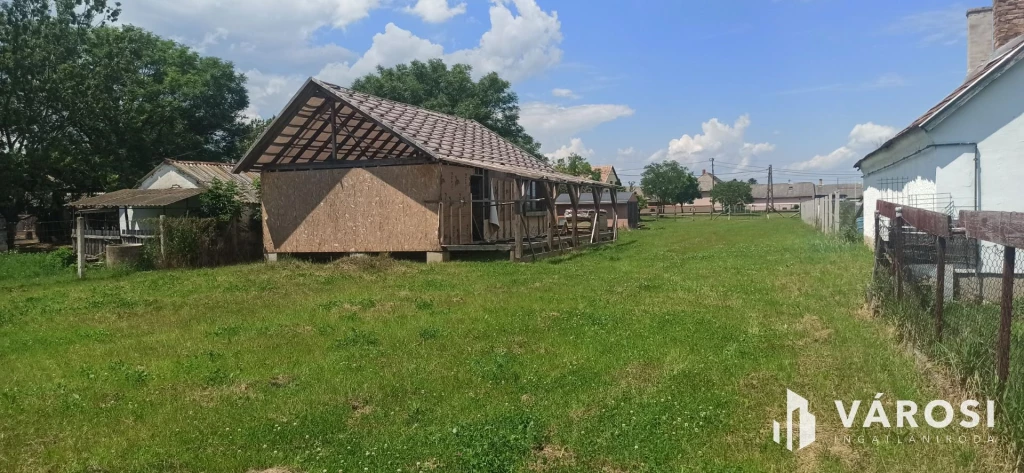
column 552, row 214
column 517, row 210
column 341, row 164
column 595, row 236
column 1004, row 228
column 312, row 139
column 334, row 132
column 615, row 214
column 574, row 199
column 1005, row 317
column 301, row 131
column 887, row 209
column 268, row 136
column 323, row 147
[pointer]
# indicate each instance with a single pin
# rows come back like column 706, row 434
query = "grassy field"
column 669, row 351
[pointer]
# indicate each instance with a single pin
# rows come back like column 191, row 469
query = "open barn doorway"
column 480, row 191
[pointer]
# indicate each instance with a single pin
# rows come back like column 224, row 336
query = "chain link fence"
column 952, row 296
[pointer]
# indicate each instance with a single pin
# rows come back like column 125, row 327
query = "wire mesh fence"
column 952, row 295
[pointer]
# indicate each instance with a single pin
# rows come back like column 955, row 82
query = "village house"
column 705, row 182
column 965, row 152
column 172, row 189
column 786, row 196
column 345, row 172
column 608, row 175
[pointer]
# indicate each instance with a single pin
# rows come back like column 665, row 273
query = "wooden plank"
column 615, row 214
column 594, row 235
column 887, row 209
column 549, row 189
column 517, row 196
column 1004, row 228
column 574, row 199
column 932, row 223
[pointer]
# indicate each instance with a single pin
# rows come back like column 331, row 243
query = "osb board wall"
column 504, row 186
column 377, row 209
column 456, row 205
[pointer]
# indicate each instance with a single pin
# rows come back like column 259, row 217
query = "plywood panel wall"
column 379, row 209
column 457, row 206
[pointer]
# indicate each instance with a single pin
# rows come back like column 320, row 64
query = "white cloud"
column 575, row 146
column 626, row 152
column 718, row 140
column 435, row 11
column 277, row 41
column 564, row 93
column 550, row 123
column 863, row 138
column 269, row 92
column 884, row 81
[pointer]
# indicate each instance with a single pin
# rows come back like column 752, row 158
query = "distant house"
column 854, row 191
column 705, row 182
column 347, row 172
column 608, row 175
column 626, row 204
column 172, row 188
column 965, row 152
column 786, row 196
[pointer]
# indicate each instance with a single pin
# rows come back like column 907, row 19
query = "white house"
column 172, row 188
column 967, row 152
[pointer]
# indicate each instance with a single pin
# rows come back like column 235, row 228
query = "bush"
column 201, row 242
column 61, row 257
column 222, row 201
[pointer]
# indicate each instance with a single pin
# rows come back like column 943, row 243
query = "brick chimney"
column 980, row 37
column 1008, row 21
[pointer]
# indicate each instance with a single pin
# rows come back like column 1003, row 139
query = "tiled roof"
column 1007, row 56
column 606, row 171
column 137, row 198
column 204, row 173
column 442, row 137
column 784, row 191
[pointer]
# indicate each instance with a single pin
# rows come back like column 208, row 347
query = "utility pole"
column 713, row 178
column 770, row 204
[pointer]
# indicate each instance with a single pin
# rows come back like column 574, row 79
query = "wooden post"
column 615, row 214
column 80, row 240
column 574, row 199
column 163, row 242
column 897, row 259
column 552, row 215
column 595, row 233
column 517, row 210
column 940, row 283
column 878, row 243
column 1005, row 317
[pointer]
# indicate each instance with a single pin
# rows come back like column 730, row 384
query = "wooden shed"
column 627, row 207
column 346, row 172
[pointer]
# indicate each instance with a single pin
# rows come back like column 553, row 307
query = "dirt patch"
column 281, row 380
column 551, row 456
column 639, row 375
column 360, row 408
column 431, row 464
column 814, row 328
column 210, row 397
column 276, row 469
column 584, row 413
column 526, row 399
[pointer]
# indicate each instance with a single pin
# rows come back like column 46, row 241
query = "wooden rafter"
column 301, row 131
column 319, row 131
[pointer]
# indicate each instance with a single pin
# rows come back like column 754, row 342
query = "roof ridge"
column 377, row 97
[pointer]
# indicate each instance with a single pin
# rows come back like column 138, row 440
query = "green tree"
column 752, row 181
column 434, row 86
column 251, row 132
column 221, row 201
column 89, row 107
column 669, row 182
column 576, row 165
column 732, row 194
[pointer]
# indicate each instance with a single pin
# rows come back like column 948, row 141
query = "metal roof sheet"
column 137, row 198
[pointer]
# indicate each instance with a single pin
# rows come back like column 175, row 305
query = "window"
column 534, row 191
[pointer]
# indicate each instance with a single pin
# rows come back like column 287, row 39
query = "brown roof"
column 606, row 171
column 204, row 173
column 372, row 128
column 1004, row 58
column 137, row 198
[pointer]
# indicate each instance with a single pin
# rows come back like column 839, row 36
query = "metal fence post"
column 1005, row 317
column 80, row 243
column 897, row 259
column 940, row 283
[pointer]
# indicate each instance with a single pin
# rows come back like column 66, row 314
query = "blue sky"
column 808, row 86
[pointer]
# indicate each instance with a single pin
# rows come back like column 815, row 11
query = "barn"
column 344, row 172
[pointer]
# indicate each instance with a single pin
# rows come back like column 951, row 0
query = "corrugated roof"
column 375, row 128
column 204, row 173
column 588, row 198
column 137, row 198
column 1006, row 57
column 784, row 191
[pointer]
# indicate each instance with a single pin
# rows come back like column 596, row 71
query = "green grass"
column 669, row 351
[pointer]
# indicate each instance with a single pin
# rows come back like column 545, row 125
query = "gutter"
column 977, row 165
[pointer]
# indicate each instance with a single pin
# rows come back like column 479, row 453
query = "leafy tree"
column 251, row 132
column 576, row 165
column 433, row 85
column 89, row 107
column 752, row 181
column 669, row 183
column 732, row 194
column 221, row 201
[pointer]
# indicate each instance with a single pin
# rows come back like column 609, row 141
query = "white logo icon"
column 794, row 402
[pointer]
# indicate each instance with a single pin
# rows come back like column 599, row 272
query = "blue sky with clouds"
column 808, row 86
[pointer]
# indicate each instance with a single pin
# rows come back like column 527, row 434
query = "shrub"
column 221, row 201
column 62, row 257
